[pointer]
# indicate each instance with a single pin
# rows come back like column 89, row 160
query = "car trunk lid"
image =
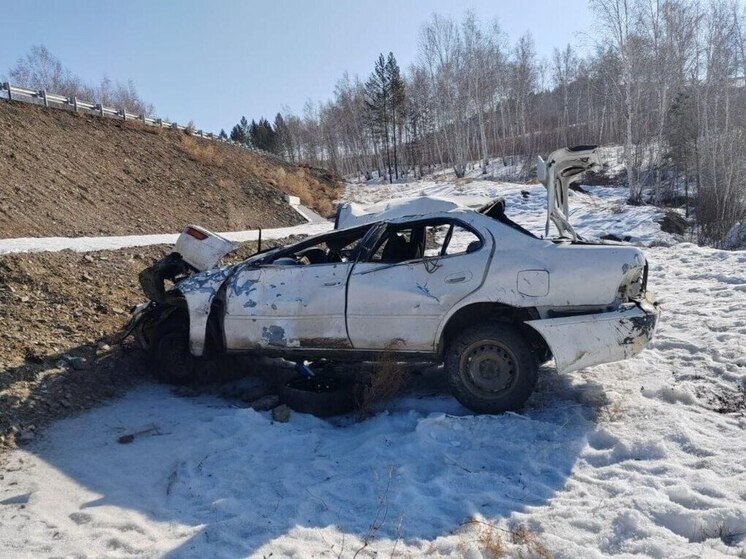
column 562, row 168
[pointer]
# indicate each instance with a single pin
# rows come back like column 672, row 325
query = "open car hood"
column 562, row 168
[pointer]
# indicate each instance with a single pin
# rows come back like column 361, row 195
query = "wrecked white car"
column 424, row 279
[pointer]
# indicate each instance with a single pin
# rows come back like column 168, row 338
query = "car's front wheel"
column 491, row 368
column 169, row 349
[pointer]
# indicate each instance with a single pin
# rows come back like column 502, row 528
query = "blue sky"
column 213, row 61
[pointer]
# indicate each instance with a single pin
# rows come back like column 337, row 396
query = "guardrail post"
column 142, row 117
column 159, row 122
column 43, row 94
column 174, row 125
column 123, row 114
column 74, row 101
column 100, row 109
column 6, row 85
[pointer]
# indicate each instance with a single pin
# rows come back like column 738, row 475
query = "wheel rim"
column 489, row 368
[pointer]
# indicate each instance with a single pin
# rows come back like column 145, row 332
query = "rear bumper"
column 591, row 339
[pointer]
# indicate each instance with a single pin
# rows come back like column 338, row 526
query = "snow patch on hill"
column 88, row 244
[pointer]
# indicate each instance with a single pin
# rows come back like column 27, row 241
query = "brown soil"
column 67, row 174
column 56, row 307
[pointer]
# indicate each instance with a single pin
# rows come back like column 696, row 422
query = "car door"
column 289, row 302
column 400, row 302
column 287, row 306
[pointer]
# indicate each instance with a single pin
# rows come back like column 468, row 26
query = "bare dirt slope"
column 67, row 174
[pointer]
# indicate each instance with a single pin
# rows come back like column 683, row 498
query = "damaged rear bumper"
column 591, row 339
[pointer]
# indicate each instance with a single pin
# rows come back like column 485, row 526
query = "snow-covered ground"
column 643, row 458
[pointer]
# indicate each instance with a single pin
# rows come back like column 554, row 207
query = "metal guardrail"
column 54, row 100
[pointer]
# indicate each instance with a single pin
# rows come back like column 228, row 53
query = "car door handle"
column 458, row 277
column 332, row 283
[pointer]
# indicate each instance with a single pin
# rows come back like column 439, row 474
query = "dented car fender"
column 200, row 291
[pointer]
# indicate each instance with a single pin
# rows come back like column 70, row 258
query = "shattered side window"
column 330, row 249
column 435, row 237
column 450, row 239
column 462, row 241
column 397, row 246
column 430, row 239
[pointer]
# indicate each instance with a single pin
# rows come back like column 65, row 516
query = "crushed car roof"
column 351, row 214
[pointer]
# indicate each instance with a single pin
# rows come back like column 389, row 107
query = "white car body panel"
column 287, row 306
column 401, row 305
column 199, row 291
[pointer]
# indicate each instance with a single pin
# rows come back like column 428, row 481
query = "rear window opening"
column 496, row 210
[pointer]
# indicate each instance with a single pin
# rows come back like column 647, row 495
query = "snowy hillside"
column 643, row 458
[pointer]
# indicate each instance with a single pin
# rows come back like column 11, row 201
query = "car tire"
column 322, row 396
column 491, row 368
column 173, row 362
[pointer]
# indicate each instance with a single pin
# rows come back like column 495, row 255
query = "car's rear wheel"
column 491, row 368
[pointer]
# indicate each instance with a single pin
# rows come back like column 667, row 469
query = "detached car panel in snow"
column 428, row 279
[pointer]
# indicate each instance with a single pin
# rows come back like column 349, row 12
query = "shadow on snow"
column 418, row 470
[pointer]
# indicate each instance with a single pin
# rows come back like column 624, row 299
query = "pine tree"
column 261, row 135
column 397, row 101
column 268, row 135
column 237, row 134
column 283, row 140
column 254, row 133
column 680, row 133
column 223, row 135
column 377, row 92
column 240, row 132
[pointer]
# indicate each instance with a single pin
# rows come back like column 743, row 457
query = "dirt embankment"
column 58, row 313
column 67, row 174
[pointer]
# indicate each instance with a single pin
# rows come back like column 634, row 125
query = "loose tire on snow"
column 321, row 396
column 491, row 368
